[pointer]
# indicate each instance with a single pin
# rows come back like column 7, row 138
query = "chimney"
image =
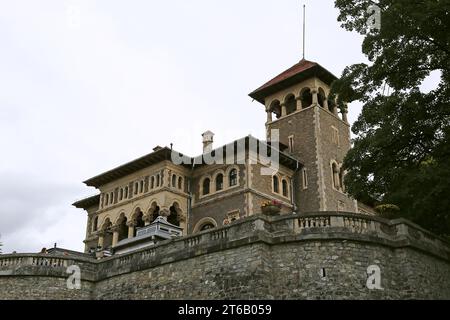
column 208, row 139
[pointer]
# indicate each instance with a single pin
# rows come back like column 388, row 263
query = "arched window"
column 291, row 104
column 285, row 188
column 120, row 194
column 321, row 97
column 139, row 217
column 219, row 182
column 233, row 178
column 306, row 98
column 335, row 172
column 174, row 181
column 180, row 183
column 173, row 216
column 207, row 226
column 106, row 199
column 152, row 183
column 95, row 224
column 157, row 180
column 111, row 198
column 141, row 186
column 123, row 228
column 206, row 184
column 126, row 192
column 275, row 107
column 136, row 188
column 276, row 184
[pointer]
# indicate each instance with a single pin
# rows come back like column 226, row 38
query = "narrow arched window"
column 106, row 199
column 152, row 183
column 120, row 194
column 291, row 104
column 180, row 183
column 174, row 181
column 233, row 178
column 206, row 185
column 335, row 172
column 285, row 188
column 111, row 198
column 136, row 188
column 126, row 192
column 157, row 180
column 95, row 224
column 141, row 186
column 276, row 184
column 219, row 182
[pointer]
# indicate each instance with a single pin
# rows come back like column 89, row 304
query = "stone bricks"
column 258, row 257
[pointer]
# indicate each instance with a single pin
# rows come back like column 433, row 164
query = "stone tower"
column 315, row 131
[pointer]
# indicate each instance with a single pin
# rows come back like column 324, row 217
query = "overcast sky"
column 87, row 85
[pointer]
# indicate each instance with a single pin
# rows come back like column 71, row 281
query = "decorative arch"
column 335, row 175
column 290, row 103
column 275, row 107
column 175, row 214
column 218, row 180
column 285, row 187
column 121, row 224
column 229, row 179
column 153, row 212
column 276, row 183
column 203, row 185
column 321, row 97
column 203, row 222
column 306, row 97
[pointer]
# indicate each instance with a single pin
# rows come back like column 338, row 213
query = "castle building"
column 196, row 194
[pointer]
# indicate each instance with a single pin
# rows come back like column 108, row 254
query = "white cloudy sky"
column 86, row 85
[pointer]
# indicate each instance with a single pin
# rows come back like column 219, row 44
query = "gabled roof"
column 301, row 71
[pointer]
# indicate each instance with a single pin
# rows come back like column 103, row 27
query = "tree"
column 401, row 155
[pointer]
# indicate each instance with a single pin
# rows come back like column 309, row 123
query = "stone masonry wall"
column 322, row 255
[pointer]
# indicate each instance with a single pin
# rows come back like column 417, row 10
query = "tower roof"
column 303, row 70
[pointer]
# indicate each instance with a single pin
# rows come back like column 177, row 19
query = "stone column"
column 344, row 113
column 283, row 109
column 315, row 97
column 269, row 116
column 164, row 212
column 101, row 239
column 115, row 238
column 147, row 219
column 299, row 103
column 131, row 225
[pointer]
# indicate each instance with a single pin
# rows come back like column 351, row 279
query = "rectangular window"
column 305, row 178
column 291, row 144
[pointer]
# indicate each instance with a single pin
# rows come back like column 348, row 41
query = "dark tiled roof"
column 299, row 72
column 87, row 202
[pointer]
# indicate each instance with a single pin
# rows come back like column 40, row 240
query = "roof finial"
column 304, row 19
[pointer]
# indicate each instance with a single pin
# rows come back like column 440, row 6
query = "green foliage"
column 389, row 211
column 402, row 150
